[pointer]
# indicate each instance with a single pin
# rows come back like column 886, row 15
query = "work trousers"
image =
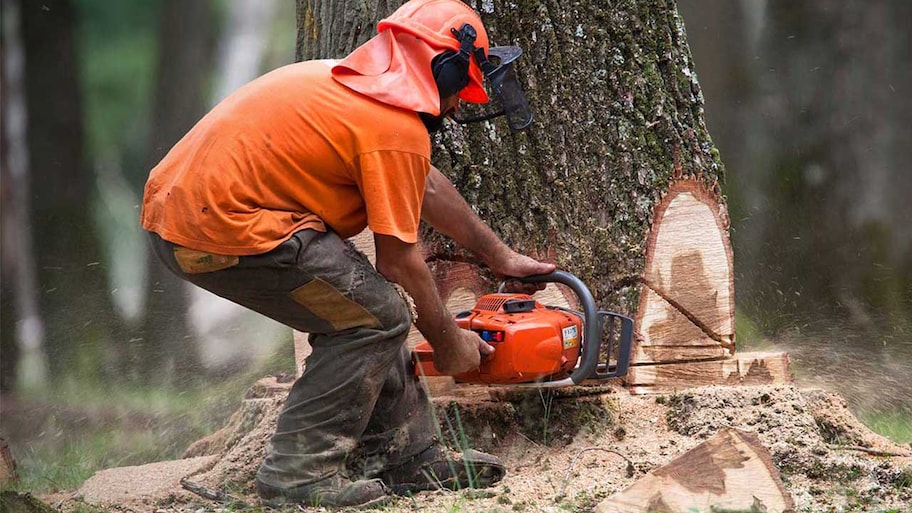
column 358, row 403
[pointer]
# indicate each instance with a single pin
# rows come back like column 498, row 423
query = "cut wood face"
column 687, row 304
column 740, row 369
column 731, row 471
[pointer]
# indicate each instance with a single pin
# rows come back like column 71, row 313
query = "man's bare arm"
column 447, row 212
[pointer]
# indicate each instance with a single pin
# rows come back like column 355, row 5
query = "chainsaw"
column 541, row 346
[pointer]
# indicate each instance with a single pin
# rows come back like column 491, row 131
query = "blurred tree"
column 805, row 101
column 723, row 38
column 21, row 339
column 74, row 297
column 835, row 86
column 169, row 352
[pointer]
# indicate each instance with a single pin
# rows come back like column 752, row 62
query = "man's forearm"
column 403, row 264
column 447, row 212
column 455, row 350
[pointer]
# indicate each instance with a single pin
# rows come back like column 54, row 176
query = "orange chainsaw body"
column 531, row 342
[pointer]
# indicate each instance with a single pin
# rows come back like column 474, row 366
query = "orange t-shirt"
column 293, row 149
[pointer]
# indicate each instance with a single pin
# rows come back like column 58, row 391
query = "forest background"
column 106, row 360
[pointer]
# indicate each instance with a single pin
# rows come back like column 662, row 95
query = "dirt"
column 565, row 451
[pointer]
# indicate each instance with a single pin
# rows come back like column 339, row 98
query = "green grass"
column 61, row 437
column 748, row 335
column 896, row 425
column 70, row 436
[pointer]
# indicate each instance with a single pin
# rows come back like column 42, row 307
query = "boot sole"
column 274, row 498
column 486, row 475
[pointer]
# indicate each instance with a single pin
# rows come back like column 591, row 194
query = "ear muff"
column 451, row 72
column 451, row 68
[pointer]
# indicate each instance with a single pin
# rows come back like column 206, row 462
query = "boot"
column 332, row 492
column 435, row 468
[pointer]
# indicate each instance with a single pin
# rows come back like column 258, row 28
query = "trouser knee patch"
column 327, row 303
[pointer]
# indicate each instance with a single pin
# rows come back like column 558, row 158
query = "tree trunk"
column 616, row 181
column 167, row 350
column 21, row 342
column 74, row 297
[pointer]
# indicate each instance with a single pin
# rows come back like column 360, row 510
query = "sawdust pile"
column 241, row 444
column 568, row 451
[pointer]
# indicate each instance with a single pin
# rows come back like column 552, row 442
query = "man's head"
column 395, row 67
column 455, row 31
column 426, row 53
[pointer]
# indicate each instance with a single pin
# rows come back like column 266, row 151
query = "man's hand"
column 508, row 265
column 462, row 353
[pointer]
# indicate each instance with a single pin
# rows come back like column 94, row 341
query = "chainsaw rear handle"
column 592, row 331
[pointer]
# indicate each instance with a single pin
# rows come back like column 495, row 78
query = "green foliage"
column 87, row 429
column 11, row 502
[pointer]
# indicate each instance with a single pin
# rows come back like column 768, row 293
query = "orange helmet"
column 395, row 66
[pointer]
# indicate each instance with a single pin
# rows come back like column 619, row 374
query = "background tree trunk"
column 21, row 340
column 724, row 36
column 74, row 296
column 167, row 349
column 842, row 102
column 242, row 45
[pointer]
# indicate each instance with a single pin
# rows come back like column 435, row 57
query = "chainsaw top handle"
column 592, row 327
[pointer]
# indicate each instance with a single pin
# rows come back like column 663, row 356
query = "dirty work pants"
column 358, row 401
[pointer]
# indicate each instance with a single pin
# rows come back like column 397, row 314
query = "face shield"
column 507, row 96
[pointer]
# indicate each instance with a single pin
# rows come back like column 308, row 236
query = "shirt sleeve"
column 392, row 185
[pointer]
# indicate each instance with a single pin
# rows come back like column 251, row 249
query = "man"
column 254, row 204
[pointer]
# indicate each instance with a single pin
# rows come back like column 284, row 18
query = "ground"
column 565, row 451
